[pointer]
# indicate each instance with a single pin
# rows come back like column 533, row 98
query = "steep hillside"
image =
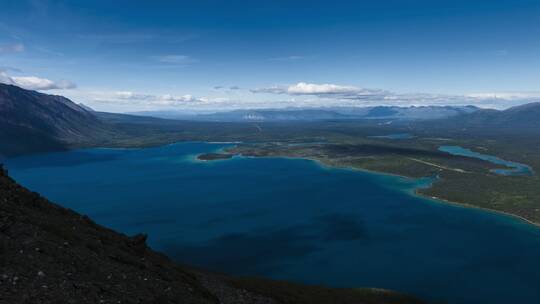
column 32, row 121
column 49, row 254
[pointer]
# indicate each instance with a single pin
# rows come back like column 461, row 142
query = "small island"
column 214, row 156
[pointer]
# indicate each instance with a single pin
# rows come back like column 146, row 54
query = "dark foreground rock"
column 49, row 254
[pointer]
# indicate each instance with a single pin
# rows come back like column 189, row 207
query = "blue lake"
column 293, row 219
column 514, row 168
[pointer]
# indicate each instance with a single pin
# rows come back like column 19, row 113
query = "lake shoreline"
column 322, row 162
column 305, row 209
column 415, row 190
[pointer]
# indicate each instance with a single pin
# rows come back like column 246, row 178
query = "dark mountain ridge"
column 32, row 121
column 45, row 113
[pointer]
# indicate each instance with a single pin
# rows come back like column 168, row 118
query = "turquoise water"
column 515, row 168
column 293, row 219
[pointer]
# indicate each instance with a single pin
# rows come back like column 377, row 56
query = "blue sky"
column 206, row 55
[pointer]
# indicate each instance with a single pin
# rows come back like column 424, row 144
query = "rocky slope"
column 37, row 122
column 49, row 254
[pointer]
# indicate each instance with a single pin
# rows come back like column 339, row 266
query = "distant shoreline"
column 414, row 192
column 219, row 154
column 444, row 201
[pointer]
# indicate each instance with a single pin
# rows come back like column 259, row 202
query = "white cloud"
column 323, row 90
column 35, row 83
column 162, row 100
column 301, row 95
column 130, row 101
column 303, row 88
column 341, row 95
column 11, row 48
column 42, row 84
column 506, row 95
column 4, row 78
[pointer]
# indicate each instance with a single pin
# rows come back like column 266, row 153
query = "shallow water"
column 515, row 168
column 293, row 219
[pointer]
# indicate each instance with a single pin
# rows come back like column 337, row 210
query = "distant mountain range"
column 318, row 114
column 520, row 120
column 32, row 122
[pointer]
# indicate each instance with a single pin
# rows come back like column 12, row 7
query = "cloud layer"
column 323, row 90
column 301, row 95
column 335, row 95
column 162, row 100
column 35, row 83
column 318, row 89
